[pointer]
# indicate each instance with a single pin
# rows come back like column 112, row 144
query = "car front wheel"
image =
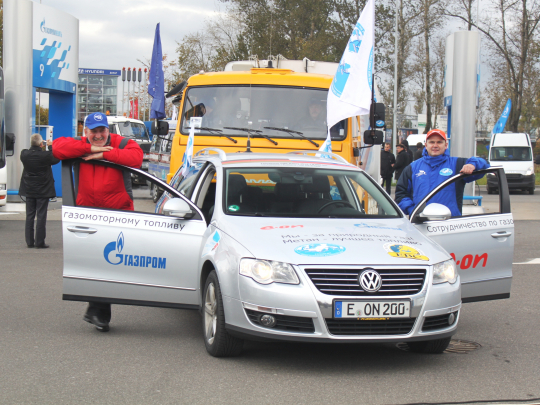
column 429, row 346
column 216, row 338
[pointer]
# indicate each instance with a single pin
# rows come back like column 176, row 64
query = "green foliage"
column 293, row 29
column 42, row 115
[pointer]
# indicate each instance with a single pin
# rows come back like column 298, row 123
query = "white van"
column 512, row 151
column 413, row 139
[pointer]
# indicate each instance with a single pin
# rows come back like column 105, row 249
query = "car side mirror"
column 177, row 207
column 372, row 137
column 436, row 212
column 160, row 127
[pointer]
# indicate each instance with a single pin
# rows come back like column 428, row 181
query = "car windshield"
column 133, row 130
column 304, row 192
column 513, row 153
column 282, row 108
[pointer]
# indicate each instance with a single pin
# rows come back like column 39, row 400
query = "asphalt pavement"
column 48, row 355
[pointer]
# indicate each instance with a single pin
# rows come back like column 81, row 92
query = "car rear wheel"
column 429, row 346
column 216, row 338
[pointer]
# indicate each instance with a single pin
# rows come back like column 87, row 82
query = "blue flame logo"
column 115, row 246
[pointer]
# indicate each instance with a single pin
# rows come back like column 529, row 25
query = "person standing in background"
column 402, row 160
column 37, row 185
column 410, row 157
column 419, row 150
column 387, row 166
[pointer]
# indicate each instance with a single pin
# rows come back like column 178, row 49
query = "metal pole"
column 145, row 95
column 129, row 94
column 123, row 90
column 139, row 77
column 394, row 122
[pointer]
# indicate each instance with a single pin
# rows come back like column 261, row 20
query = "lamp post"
column 396, row 36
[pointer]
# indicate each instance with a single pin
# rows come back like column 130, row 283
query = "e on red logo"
column 265, row 228
column 468, row 260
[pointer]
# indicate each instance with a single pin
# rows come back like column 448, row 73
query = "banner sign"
column 103, row 72
column 55, row 49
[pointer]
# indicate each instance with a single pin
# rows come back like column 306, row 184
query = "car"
column 289, row 247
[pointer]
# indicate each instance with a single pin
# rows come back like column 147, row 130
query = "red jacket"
column 101, row 186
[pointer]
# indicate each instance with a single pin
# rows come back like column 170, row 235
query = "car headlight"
column 491, row 174
column 445, row 272
column 530, row 171
column 267, row 271
column 2, row 186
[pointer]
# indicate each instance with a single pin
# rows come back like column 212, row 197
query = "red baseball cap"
column 439, row 132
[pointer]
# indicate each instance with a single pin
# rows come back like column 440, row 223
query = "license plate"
column 372, row 309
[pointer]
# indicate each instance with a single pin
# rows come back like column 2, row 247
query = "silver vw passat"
column 290, row 247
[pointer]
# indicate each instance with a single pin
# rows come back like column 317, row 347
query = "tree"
column 42, row 115
column 511, row 28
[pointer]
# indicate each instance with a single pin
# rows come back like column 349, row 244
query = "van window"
column 133, row 130
column 513, row 153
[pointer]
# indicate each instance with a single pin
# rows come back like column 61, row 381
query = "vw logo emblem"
column 370, row 281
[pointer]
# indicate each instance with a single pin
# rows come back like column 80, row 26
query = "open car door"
column 482, row 244
column 130, row 257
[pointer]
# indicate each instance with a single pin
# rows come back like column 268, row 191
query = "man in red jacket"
column 101, row 186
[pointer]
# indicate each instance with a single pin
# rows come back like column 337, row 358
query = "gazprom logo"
column 49, row 30
column 113, row 255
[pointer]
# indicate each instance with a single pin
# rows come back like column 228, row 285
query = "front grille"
column 437, row 322
column 363, row 328
column 284, row 322
column 345, row 281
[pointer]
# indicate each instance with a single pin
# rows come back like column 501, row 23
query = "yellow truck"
column 280, row 108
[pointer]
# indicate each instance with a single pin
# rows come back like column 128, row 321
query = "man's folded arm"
column 69, row 148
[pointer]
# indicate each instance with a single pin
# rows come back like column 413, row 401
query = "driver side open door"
column 481, row 244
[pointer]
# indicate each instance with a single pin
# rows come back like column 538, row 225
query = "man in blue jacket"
column 423, row 175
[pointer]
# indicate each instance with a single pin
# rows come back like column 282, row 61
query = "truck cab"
column 280, row 106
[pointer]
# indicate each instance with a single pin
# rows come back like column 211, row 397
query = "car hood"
column 333, row 241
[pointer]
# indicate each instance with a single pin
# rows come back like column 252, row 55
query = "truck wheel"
column 489, row 190
column 429, row 346
column 155, row 192
column 216, row 338
column 531, row 191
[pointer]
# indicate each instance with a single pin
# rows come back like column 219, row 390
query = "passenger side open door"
column 482, row 244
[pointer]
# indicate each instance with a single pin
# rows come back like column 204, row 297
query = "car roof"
column 300, row 158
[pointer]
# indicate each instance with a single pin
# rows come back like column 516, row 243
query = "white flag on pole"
column 350, row 92
column 187, row 160
column 327, row 145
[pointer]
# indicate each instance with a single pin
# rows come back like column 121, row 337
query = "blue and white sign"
column 113, row 255
column 103, row 72
column 320, row 249
column 55, row 49
column 446, row 172
column 379, row 124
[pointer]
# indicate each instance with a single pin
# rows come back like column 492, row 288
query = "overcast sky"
column 115, row 33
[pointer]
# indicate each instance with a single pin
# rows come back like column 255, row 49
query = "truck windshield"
column 514, row 153
column 283, row 108
column 304, row 192
column 133, row 130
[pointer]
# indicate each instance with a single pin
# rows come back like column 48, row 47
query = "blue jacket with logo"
column 423, row 175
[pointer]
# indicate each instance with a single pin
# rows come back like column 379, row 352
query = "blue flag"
column 156, row 81
column 499, row 126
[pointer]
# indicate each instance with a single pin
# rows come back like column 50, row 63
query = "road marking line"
column 532, row 261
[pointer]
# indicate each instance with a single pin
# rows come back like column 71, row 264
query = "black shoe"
column 44, row 246
column 30, row 246
column 98, row 323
